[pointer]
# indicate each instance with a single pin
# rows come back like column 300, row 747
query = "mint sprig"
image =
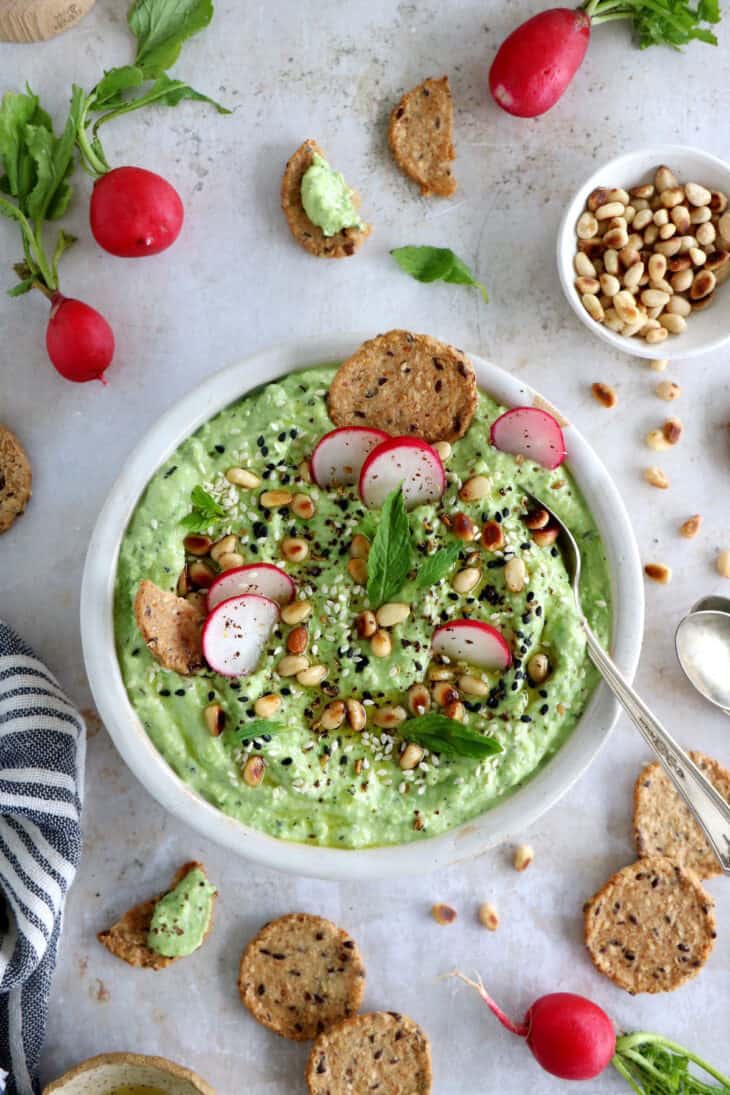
column 255, row 728
column 440, row 734
column 204, row 512
column 435, row 567
column 428, row 264
column 391, row 552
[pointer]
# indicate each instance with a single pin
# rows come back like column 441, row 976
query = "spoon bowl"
column 702, row 642
column 712, row 604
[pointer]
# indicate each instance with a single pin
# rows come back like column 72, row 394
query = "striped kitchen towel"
column 42, row 748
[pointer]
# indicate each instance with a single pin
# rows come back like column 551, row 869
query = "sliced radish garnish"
column 263, row 578
column 340, row 454
column 405, row 461
column 530, row 432
column 473, row 642
column 235, row 634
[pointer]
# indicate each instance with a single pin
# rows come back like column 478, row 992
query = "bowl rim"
column 514, row 813
column 669, row 349
column 132, row 1060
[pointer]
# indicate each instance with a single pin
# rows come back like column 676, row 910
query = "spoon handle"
column 704, row 801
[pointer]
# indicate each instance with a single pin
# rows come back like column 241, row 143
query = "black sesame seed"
column 261, row 441
column 525, row 718
column 164, row 692
column 544, row 709
column 179, row 691
column 287, row 761
column 220, row 448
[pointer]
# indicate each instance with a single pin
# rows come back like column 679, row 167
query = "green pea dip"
column 182, row 917
column 327, row 199
column 342, row 788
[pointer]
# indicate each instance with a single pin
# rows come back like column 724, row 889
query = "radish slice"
column 407, row 461
column 235, row 634
column 474, row 642
column 530, row 432
column 340, row 454
column 263, row 578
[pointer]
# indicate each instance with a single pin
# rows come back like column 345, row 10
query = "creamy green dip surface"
column 327, row 199
column 182, row 917
column 343, row 788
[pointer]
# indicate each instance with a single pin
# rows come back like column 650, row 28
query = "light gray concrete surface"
column 236, row 282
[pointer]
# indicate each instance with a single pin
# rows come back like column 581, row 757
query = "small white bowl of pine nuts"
column 644, row 249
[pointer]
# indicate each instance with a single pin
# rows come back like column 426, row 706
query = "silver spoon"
column 706, row 804
column 702, row 642
column 712, row 604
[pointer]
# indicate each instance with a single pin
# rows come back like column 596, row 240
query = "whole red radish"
column 79, row 340
column 535, row 64
column 135, row 212
column 570, row 1036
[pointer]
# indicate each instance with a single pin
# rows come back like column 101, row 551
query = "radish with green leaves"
column 574, row 1039
column 536, row 63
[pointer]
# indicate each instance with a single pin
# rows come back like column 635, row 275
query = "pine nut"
column 618, row 194
column 629, row 256
column 646, row 190
column 333, row 716
column 698, row 256
column 545, row 537
column 444, row 692
column 538, row 668
column 356, row 715
column 360, row 546
column 465, row 580
column 440, row 673
column 183, row 583
column 222, row 547
column 682, row 280
column 231, row 560
column 215, row 719
column 661, row 217
column 655, row 477
column 419, row 699
column 651, row 235
column 629, row 214
column 722, row 563
column 443, row 448
column 358, row 571
column 475, row 489
column 463, row 527
column 515, row 575
column 612, row 320
column 642, row 219
column 597, row 197
column 682, row 218
column 689, row 528
column 492, row 536
column 411, row 757
column 658, row 365
column 488, row 916
column 616, row 238
column 672, row 196
column 658, row 572
column 473, row 686
column 667, row 231
column 312, row 676
column 610, row 284
column 654, row 298
column 381, row 645
column 304, row 471
column 583, row 267
column 443, row 914
column 703, row 284
column 673, row 323
column 197, row 544
column 669, row 247
column 686, row 243
column 303, row 506
column 523, row 857
column 587, row 285
column 656, row 440
column 455, row 710
column 668, row 390
column 610, row 209
column 625, row 306
column 723, row 226
column 706, row 235
column 275, row 499
column 391, row 614
column 294, row 549
column 655, row 336
column 696, row 194
column 296, row 612
column 241, row 477
column 664, row 179
column 297, row 639
column 366, row 624
column 291, row 664
column 387, row 718
column 701, row 215
column 718, row 201
column 200, row 574
column 634, row 274
column 268, row 705
column 657, row 267
column 253, row 771
column 593, row 306
column 587, row 226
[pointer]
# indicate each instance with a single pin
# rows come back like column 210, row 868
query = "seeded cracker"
column 405, row 384
column 420, row 136
column 127, row 938
column 300, row 975
column 16, row 479
column 170, row 626
column 664, row 826
column 381, row 1051
column 310, row 236
column 651, row 927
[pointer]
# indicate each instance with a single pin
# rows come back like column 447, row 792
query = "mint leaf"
column 440, row 734
column 428, row 264
column 162, row 26
column 205, row 511
column 435, row 567
column 391, row 552
column 255, row 728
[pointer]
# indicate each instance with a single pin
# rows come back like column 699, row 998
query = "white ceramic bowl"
column 510, row 816
column 706, row 330
column 111, row 1072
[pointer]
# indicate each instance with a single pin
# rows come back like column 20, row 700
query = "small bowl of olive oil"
column 128, row 1074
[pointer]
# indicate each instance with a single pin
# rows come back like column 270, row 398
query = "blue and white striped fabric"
column 42, row 748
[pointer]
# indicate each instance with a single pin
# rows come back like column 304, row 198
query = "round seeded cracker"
column 651, row 927
column 16, row 479
column 405, row 383
column 300, row 975
column 664, row 826
column 381, row 1051
column 420, row 136
column 310, row 236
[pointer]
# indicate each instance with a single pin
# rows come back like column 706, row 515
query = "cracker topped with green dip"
column 389, row 643
column 320, row 208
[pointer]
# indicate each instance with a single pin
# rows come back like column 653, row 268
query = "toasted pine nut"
column 440, row 672
column 297, row 639
column 686, row 243
column 667, row 231
column 366, row 624
column 661, row 217
column 197, row 544
column 242, row 477
column 669, row 247
column 356, row 714
column 455, row 710
column 200, row 574
column 651, row 234
column 538, row 668
column 706, row 234
column 672, row 430
column 655, row 477
column 679, row 306
column 610, row 261
column 656, row 440
column 312, row 676
column 701, row 215
column 275, row 499
column 443, row 914
column 587, row 226
column 664, row 179
column 722, row 563
column 604, row 394
column 492, row 535
column 515, row 575
column 718, row 201
column 463, row 527
column 612, row 321
column 672, row 196
column 380, row 644
column 682, row 280
column 610, row 284
column 222, row 547
column 253, row 770
column 473, row 686
column 419, row 699
column 488, row 916
column 387, row 718
column 268, row 705
column 723, row 226
column 444, row 692
column 294, row 549
column 633, row 275
column 333, row 716
column 474, row 489
column 231, row 560
column 673, row 323
column 642, row 219
column 698, row 256
column 658, row 572
column 215, row 719
column 296, row 612
column 658, row 365
column 358, row 571
column 690, row 527
column 443, row 448
column 523, row 857
column 681, row 218
column 629, row 256
column 625, row 306
column 545, row 537
column 291, row 664
column 303, row 506
column 657, row 267
column 667, row 389
column 610, row 209
column 583, row 267
column 654, row 336
column 395, row 612
column 696, row 194
column 587, row 285
column 304, row 471
column 654, row 298
column 703, row 284
column 646, row 190
column 411, row 757
column 616, row 238
column 465, row 580
column 360, row 546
